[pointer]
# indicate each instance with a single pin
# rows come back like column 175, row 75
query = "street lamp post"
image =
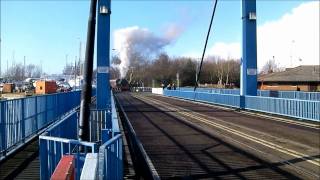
column 0, row 57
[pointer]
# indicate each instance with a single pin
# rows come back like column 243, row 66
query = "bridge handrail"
column 110, row 164
column 114, row 117
column 53, row 148
column 21, row 119
column 296, row 108
column 313, row 96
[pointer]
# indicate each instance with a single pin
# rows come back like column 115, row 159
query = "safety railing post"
column 46, row 110
column 22, row 123
column 36, row 112
column 3, row 131
column 43, row 159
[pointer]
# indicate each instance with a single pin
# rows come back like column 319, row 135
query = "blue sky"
column 48, row 30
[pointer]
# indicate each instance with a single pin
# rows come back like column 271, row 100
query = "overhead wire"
column 205, row 45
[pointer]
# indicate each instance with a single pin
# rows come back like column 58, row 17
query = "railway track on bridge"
column 23, row 164
column 180, row 145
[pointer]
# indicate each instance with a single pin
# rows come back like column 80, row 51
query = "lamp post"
column 291, row 53
column 0, row 56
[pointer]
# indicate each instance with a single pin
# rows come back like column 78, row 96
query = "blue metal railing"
column 309, row 110
column 221, row 99
column 21, row 119
column 110, row 153
column 53, row 148
column 60, row 139
column 213, row 90
column 313, row 96
column 114, row 118
column 110, row 164
column 302, row 109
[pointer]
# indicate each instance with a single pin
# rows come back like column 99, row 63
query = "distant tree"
column 33, row 71
column 188, row 73
column 270, row 67
column 163, row 69
column 18, row 72
column 72, row 68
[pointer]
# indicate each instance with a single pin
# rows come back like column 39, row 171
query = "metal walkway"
column 189, row 140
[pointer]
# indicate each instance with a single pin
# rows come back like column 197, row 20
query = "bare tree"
column 270, row 67
column 33, row 71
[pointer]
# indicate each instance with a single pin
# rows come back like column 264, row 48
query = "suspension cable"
column 205, row 45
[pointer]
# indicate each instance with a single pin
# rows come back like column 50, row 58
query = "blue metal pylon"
column 248, row 77
column 103, row 58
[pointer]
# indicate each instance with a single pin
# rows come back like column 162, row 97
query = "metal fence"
column 212, row 90
column 21, row 119
column 98, row 122
column 60, row 139
column 221, row 99
column 114, row 118
column 301, row 109
column 53, row 148
column 110, row 164
column 313, row 96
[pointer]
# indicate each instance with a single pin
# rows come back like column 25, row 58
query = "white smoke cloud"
column 130, row 40
column 293, row 39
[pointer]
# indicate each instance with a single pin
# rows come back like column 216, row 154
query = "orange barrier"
column 65, row 170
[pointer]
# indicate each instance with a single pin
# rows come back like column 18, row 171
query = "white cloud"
column 292, row 37
column 225, row 50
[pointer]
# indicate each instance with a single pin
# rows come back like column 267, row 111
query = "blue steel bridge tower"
column 248, row 76
column 248, row 83
column 103, row 58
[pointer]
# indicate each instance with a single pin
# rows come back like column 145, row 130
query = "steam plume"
column 131, row 40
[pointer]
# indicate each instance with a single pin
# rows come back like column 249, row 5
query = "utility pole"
column 7, row 67
column 291, row 53
column 197, row 68
column 178, row 80
column 24, row 67
column 75, row 71
column 0, row 58
column 13, row 60
column 80, row 66
column 40, row 68
column 66, row 60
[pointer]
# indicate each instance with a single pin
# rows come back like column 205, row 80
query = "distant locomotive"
column 123, row 84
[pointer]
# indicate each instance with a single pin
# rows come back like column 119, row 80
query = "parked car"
column 63, row 87
column 28, row 86
column 1, row 87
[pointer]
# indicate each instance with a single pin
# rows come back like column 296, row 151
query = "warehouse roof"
column 310, row 73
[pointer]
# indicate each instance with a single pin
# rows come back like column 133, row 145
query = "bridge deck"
column 185, row 139
column 23, row 164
